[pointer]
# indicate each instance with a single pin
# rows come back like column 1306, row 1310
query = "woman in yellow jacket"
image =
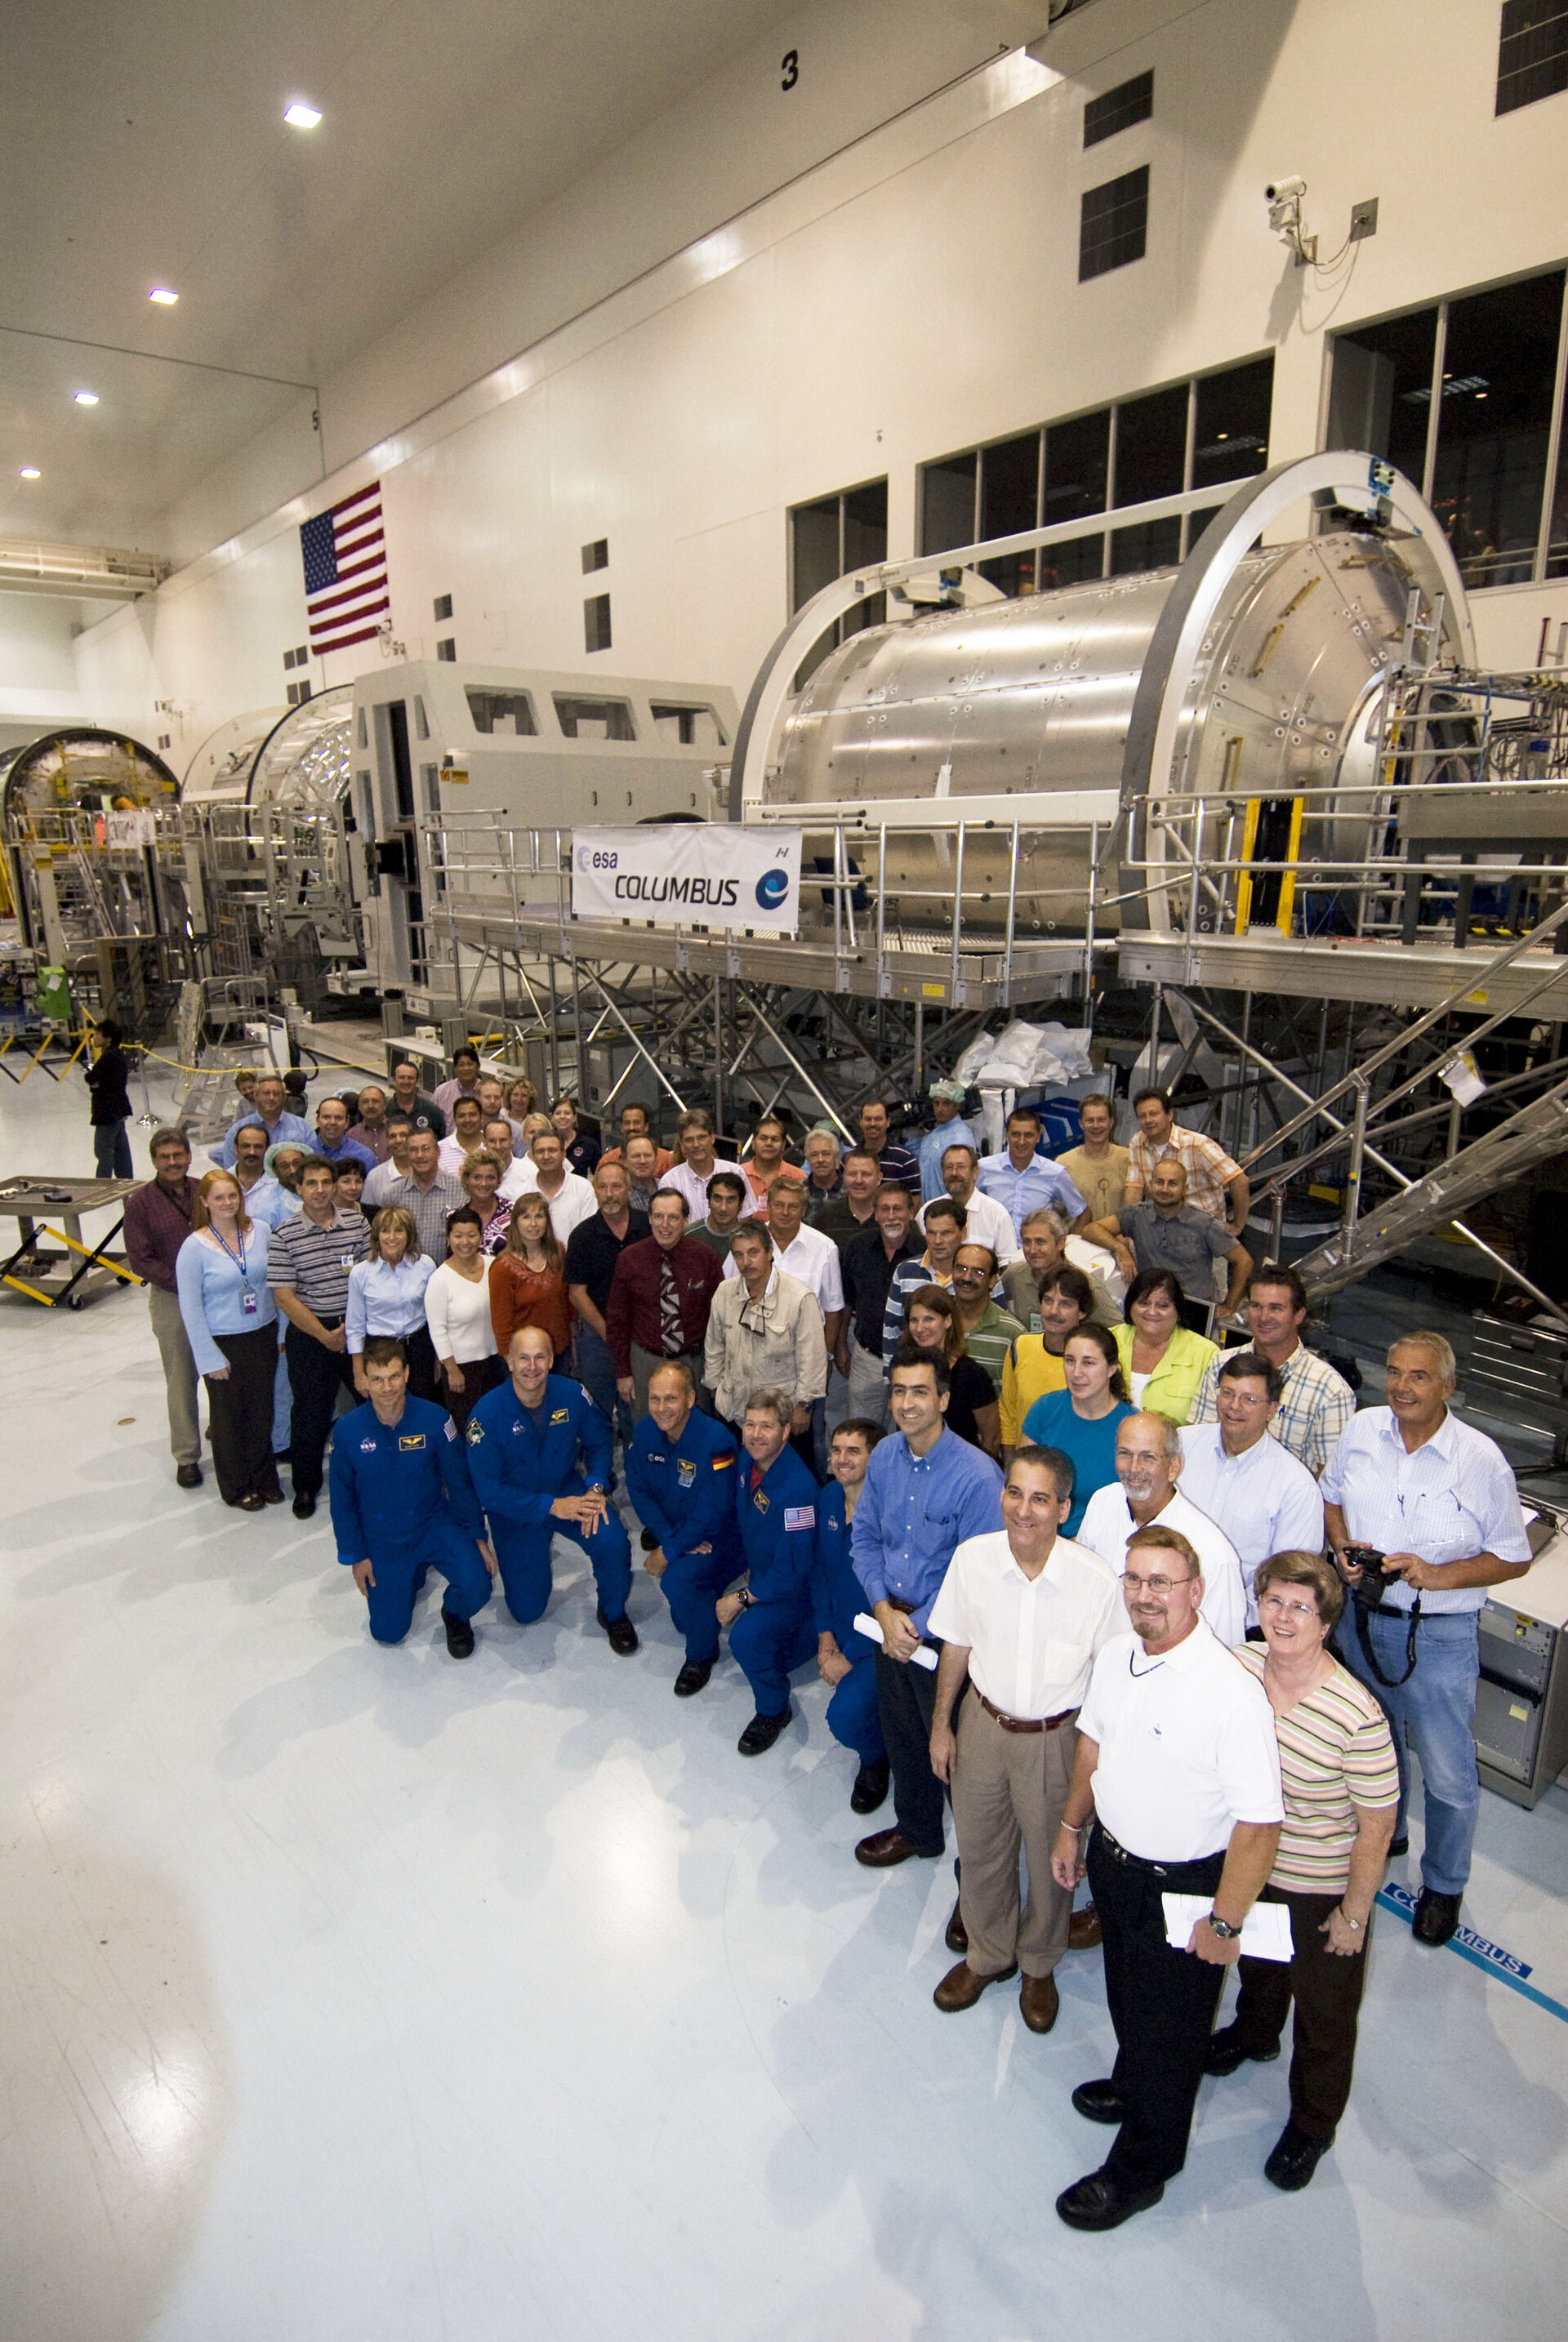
column 1164, row 1363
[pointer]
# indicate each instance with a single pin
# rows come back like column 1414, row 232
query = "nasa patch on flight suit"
column 410, row 1439
column 562, row 1415
column 367, row 1447
column 475, row 1431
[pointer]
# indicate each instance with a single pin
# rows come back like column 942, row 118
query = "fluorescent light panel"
column 164, row 296
column 87, row 399
column 29, row 472
column 303, row 117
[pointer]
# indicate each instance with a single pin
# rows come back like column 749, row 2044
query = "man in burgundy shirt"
column 660, row 1296
column 157, row 1222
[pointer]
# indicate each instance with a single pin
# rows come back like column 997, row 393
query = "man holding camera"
column 1422, row 1516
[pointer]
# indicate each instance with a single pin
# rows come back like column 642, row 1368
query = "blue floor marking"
column 1488, row 1957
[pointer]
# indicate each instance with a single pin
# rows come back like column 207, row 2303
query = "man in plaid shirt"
column 1317, row 1403
column 1213, row 1179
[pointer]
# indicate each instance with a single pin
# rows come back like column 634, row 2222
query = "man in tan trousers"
column 1021, row 1615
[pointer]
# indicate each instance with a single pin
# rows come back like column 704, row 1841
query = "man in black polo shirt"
column 869, row 1261
column 308, row 1262
column 853, row 1210
column 899, row 1164
column 594, row 1247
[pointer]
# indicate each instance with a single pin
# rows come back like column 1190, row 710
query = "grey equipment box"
column 1528, row 1367
column 1521, row 1699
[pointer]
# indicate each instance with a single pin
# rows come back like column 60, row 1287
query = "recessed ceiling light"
column 87, row 399
column 164, row 296
column 29, row 472
column 303, row 117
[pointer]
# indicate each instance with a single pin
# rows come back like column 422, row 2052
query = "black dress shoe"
column 250, row 1502
column 650, row 1541
column 1294, row 2157
column 459, row 1636
column 1436, row 1918
column 272, row 1496
column 1101, row 2201
column 761, row 1733
column 693, row 1678
column 955, row 1934
column 189, row 1476
column 1397, row 1846
column 1227, row 2050
column 623, row 1634
column 870, row 1789
column 304, row 1507
column 1100, row 2102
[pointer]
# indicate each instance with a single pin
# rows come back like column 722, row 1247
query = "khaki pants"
column 1008, row 1792
column 179, row 1373
column 867, row 1385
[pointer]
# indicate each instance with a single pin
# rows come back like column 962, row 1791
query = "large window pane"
column 1009, row 501
column 1499, row 364
column 947, row 504
column 865, row 526
column 813, row 548
column 1382, row 390
column 1077, row 470
column 1150, row 544
column 1113, row 223
column 1150, row 447
column 1557, row 535
column 1231, row 440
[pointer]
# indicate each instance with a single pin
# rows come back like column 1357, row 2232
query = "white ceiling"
column 144, row 144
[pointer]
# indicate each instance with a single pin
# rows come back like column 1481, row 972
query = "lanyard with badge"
column 249, row 1304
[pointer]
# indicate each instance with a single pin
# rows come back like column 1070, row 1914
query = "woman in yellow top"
column 1034, row 1367
column 1163, row 1361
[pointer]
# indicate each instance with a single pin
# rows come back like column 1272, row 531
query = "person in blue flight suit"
column 843, row 1657
column 525, row 1441
column 402, row 1501
column 770, row 1619
column 680, row 1475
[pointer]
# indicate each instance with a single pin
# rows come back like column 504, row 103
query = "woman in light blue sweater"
column 231, row 1320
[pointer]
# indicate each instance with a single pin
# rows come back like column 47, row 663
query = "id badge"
column 249, row 1304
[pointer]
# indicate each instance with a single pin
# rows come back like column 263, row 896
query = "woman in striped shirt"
column 1341, row 1794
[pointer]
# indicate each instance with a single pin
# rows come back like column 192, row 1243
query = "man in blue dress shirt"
column 925, row 1491
column 844, row 1657
column 269, row 1110
column 540, row 1450
column 1023, row 1181
column 333, row 1141
column 770, row 1616
column 402, row 1501
column 680, row 1475
column 950, row 1129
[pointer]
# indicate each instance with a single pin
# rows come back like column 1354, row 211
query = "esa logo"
column 771, row 888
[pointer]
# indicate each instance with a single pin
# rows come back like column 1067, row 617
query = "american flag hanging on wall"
column 345, row 556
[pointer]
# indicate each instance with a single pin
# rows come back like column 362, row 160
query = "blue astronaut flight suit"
column 684, row 1492
column 852, row 1715
column 402, row 1498
column 520, row 1468
column 778, row 1539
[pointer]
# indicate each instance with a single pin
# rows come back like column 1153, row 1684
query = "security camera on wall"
column 1283, row 198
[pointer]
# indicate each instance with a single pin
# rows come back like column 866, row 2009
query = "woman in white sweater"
column 457, row 1312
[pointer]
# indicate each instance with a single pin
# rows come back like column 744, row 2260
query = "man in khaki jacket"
column 765, row 1331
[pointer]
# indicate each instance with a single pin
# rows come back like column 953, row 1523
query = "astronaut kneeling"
column 402, row 1501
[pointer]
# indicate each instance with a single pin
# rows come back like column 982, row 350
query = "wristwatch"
column 1222, row 1928
column 745, row 1597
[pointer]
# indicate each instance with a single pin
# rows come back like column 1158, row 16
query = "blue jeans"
column 112, row 1151
column 1431, row 1715
column 598, row 1370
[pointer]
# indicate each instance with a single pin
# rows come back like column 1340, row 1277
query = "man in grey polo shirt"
column 1167, row 1232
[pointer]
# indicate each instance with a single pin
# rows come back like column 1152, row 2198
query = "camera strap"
column 1364, row 1636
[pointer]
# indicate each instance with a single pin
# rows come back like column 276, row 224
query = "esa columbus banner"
column 689, row 875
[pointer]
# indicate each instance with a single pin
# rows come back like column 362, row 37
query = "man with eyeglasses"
column 1178, row 1764
column 1148, row 1461
column 1245, row 1482
column 989, row 1332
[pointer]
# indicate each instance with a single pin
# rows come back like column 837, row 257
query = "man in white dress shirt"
column 1021, row 1614
column 986, row 1221
column 497, row 1139
column 1148, row 1461
column 399, row 1130
column 1179, row 1764
column 1438, row 1501
column 466, row 1136
column 804, row 1252
column 569, row 1196
column 1244, row 1481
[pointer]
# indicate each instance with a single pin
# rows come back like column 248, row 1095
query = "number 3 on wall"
column 789, row 66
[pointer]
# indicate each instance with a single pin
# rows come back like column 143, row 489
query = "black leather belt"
column 1140, row 1861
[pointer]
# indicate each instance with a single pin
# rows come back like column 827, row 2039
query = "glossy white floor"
column 357, row 1995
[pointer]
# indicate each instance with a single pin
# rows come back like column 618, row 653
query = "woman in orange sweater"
column 528, row 1280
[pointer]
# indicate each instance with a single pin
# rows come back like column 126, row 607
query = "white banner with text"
column 689, row 875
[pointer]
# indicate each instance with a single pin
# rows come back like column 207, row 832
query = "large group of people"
column 1124, row 1604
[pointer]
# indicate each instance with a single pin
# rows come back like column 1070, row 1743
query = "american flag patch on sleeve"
column 800, row 1516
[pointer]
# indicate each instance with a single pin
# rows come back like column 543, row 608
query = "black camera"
column 1375, row 1575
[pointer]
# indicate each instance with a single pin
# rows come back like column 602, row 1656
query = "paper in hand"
column 921, row 1656
column 1265, row 1931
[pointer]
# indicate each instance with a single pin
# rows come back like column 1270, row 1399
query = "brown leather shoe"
column 960, row 1987
column 884, row 1847
column 1083, row 1932
column 1037, row 2002
column 956, row 1934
